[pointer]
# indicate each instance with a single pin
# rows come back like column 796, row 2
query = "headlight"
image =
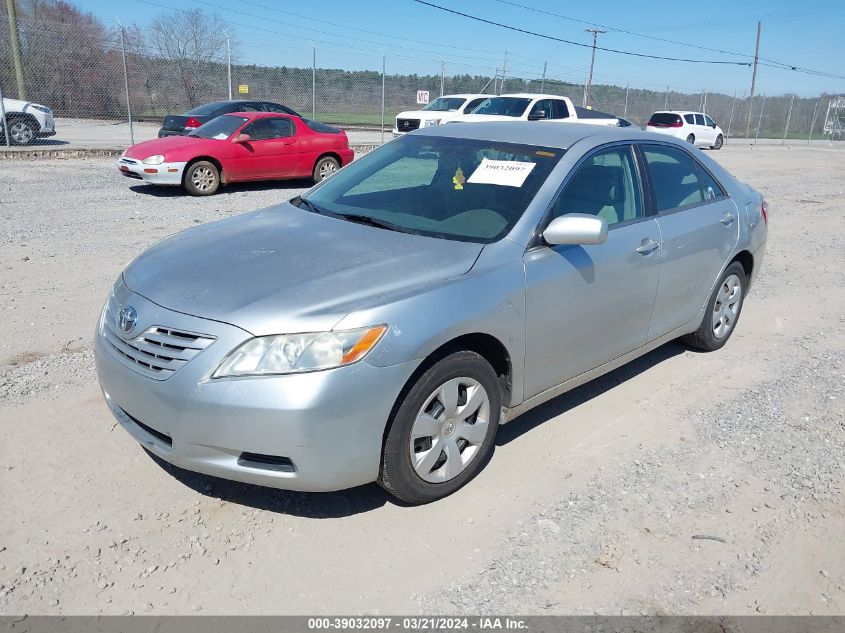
column 158, row 159
column 431, row 122
column 296, row 353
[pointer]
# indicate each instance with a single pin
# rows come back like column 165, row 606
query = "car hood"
column 17, row 105
column 284, row 269
column 474, row 118
column 142, row 150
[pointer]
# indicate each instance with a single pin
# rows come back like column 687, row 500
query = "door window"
column 544, row 106
column 699, row 119
column 264, row 129
column 711, row 189
column 689, row 118
column 605, row 185
column 275, row 107
column 472, row 105
column 559, row 109
column 709, row 121
column 674, row 177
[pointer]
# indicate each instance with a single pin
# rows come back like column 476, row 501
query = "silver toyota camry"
column 381, row 326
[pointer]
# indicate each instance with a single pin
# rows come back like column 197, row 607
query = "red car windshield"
column 220, row 128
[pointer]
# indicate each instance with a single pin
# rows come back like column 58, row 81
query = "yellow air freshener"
column 459, row 179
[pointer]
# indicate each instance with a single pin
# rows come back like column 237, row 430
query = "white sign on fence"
column 422, row 97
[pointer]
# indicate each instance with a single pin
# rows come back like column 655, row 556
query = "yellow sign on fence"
column 243, row 89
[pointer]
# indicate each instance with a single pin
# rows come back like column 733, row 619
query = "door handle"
column 727, row 219
column 647, row 246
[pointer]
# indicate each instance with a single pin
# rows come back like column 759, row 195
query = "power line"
column 582, row 45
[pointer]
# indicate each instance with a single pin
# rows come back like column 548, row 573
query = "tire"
column 21, row 131
column 324, row 168
column 719, row 142
column 201, row 178
column 420, row 425
column 691, row 139
column 725, row 302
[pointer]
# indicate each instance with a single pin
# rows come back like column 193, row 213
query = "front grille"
column 406, row 125
column 159, row 351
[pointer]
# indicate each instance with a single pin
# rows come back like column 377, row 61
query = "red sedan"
column 239, row 147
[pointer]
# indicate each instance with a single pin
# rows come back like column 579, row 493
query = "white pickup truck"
column 536, row 107
column 26, row 122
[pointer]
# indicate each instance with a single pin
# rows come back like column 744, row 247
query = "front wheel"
column 324, row 168
column 719, row 142
column 442, row 432
column 21, row 132
column 722, row 312
column 202, row 178
column 691, row 139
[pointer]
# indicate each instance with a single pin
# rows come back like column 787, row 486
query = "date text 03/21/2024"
column 417, row 623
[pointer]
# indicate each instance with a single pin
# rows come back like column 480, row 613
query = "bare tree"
column 195, row 42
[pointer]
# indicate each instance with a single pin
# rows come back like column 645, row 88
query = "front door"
column 699, row 225
column 271, row 152
column 587, row 305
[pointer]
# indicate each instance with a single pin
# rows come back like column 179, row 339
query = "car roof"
column 678, row 112
column 561, row 136
column 463, row 96
column 531, row 95
column 258, row 115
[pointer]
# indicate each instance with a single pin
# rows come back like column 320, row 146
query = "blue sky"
column 354, row 35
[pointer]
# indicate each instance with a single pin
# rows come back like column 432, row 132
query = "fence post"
column 383, row 67
column 813, row 121
column 666, row 100
column 760, row 120
column 731, row 119
column 126, row 85
column 442, row 76
column 229, row 63
column 543, row 81
column 788, row 117
column 3, row 117
column 313, row 81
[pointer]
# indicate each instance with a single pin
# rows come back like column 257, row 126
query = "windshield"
column 445, row 104
column 507, row 106
column 453, row 188
column 220, row 128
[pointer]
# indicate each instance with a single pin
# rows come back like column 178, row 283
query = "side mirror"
column 536, row 115
column 242, row 138
column 576, row 228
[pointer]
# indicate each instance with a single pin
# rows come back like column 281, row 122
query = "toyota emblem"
column 127, row 318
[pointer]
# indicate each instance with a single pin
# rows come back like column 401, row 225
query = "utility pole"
column 543, row 82
column 704, row 103
column 753, row 81
column 229, row 62
column 442, row 76
column 625, row 113
column 587, row 90
column 16, row 48
column 666, row 99
column 504, row 72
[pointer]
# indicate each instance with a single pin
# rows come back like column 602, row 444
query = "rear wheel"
column 719, row 142
column 202, row 178
column 325, row 167
column 723, row 310
column 691, row 139
column 442, row 432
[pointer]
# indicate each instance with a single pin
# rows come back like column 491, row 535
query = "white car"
column 535, row 107
column 26, row 122
column 439, row 111
column 694, row 127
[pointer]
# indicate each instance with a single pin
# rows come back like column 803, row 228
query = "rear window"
column 207, row 109
column 664, row 118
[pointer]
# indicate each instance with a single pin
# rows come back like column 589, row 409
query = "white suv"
column 440, row 110
column 26, row 121
column 694, row 127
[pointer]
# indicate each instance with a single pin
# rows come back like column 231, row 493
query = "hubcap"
column 21, row 132
column 449, row 429
column 203, row 178
column 726, row 308
column 327, row 168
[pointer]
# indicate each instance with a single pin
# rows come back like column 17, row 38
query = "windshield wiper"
column 313, row 208
column 370, row 221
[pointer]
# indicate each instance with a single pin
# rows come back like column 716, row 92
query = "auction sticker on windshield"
column 506, row 173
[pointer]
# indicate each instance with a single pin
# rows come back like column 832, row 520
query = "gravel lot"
column 682, row 483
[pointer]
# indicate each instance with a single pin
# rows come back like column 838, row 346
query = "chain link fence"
column 111, row 86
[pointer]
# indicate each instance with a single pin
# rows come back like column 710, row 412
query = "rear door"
column 703, row 134
column 699, row 229
column 587, row 305
column 271, row 152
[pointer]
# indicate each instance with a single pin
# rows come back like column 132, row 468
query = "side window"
column 544, row 106
column 689, row 118
column 605, row 185
column 699, row 119
column 559, row 109
column 711, row 189
column 674, row 177
column 264, row 129
column 709, row 121
column 472, row 105
column 248, row 107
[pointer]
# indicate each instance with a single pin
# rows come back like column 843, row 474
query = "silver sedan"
column 381, row 326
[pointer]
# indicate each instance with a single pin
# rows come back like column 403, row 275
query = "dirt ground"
column 683, row 483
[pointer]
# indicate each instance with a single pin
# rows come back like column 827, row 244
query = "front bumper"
column 163, row 174
column 328, row 424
